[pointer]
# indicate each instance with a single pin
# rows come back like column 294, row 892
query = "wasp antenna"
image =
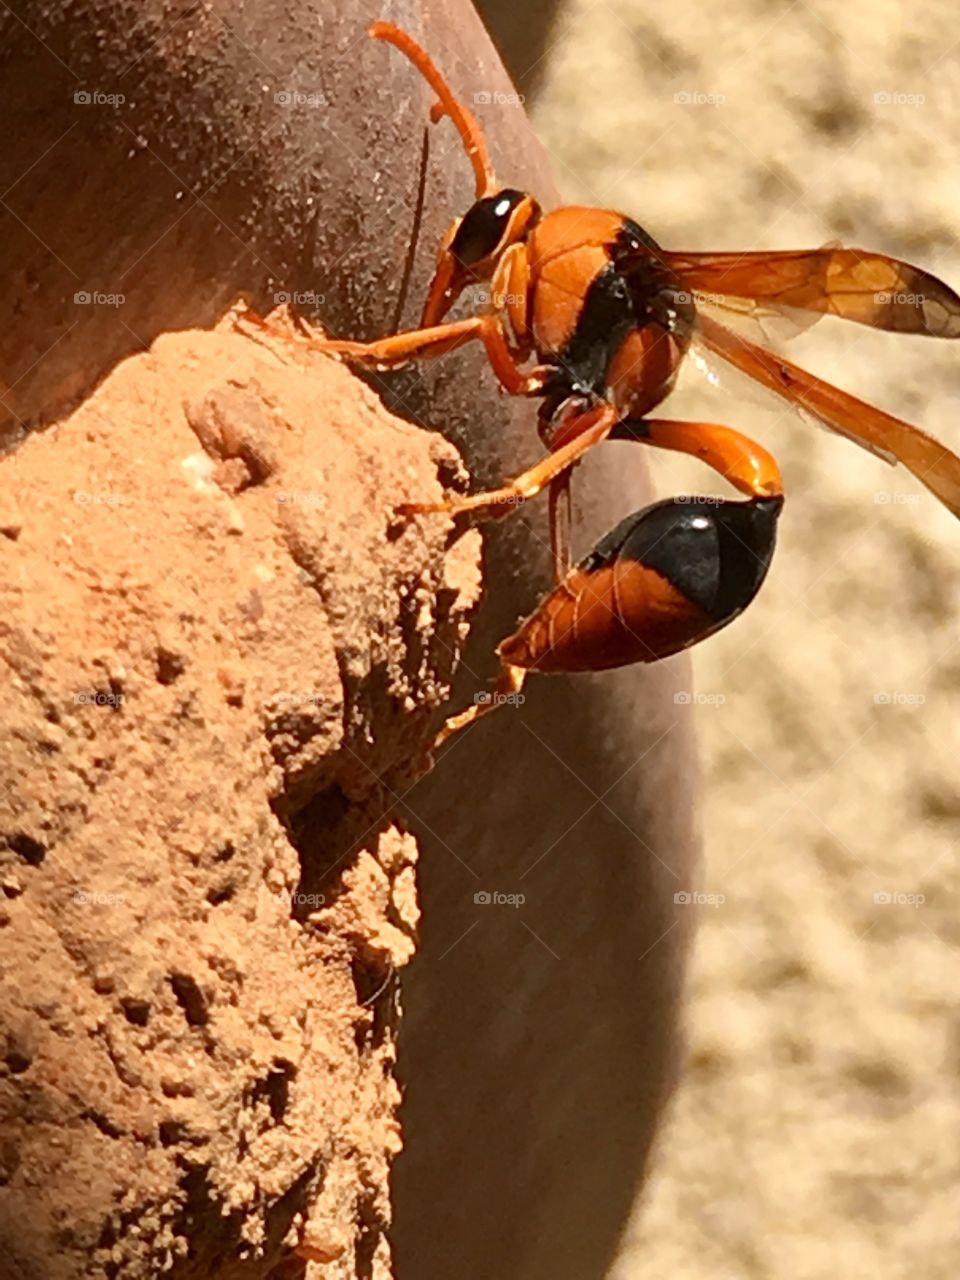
column 467, row 125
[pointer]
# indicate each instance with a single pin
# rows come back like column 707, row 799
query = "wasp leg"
column 559, row 426
column 740, row 460
column 560, row 525
column 509, row 292
column 290, row 327
column 597, row 423
column 503, row 361
column 507, row 687
column 425, row 344
column 386, row 353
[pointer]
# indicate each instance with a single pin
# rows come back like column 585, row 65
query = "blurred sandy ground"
column 817, row 1132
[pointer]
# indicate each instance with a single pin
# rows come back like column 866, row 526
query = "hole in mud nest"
column 374, row 986
column 327, row 833
column 170, row 666
column 274, row 1088
column 190, row 998
column 27, row 848
column 135, row 1011
column 212, row 1228
column 221, row 893
column 171, row 1132
column 103, row 1122
column 17, row 1060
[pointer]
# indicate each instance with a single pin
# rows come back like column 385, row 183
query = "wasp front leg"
column 508, row 339
column 595, row 425
column 385, row 353
column 509, row 298
column 502, row 330
column 426, row 344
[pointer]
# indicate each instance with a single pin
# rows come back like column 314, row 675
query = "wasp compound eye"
column 663, row 579
column 484, row 226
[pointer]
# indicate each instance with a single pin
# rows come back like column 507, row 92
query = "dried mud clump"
column 219, row 663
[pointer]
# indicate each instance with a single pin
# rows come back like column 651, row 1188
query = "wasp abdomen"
column 664, row 578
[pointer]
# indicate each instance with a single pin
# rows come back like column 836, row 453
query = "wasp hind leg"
column 506, row 690
column 496, row 503
column 740, row 460
column 560, row 526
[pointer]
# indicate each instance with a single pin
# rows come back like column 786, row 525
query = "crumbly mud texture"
column 220, row 667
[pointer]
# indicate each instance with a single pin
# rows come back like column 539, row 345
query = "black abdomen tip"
column 714, row 551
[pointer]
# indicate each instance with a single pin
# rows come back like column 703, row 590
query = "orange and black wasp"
column 591, row 317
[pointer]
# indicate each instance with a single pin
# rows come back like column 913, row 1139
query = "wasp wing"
column 934, row 465
column 868, row 288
